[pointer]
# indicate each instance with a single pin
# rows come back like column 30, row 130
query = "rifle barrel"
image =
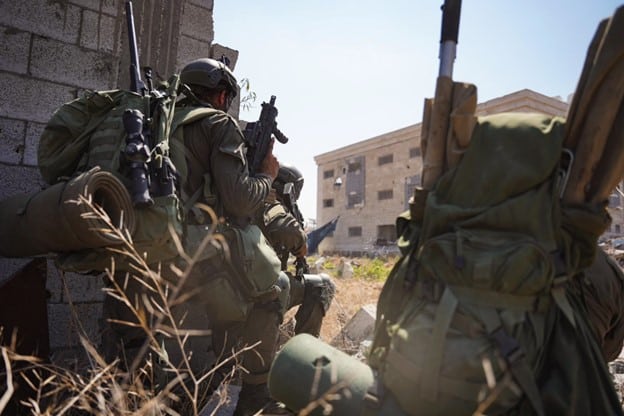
column 448, row 38
column 136, row 84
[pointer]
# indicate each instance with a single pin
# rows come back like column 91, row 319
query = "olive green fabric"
column 601, row 287
column 475, row 316
column 89, row 132
column 54, row 220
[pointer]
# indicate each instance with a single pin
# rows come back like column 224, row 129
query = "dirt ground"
column 351, row 294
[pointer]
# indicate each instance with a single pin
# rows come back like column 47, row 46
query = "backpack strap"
column 182, row 117
column 512, row 352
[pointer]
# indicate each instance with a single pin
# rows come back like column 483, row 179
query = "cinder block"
column 72, row 65
column 360, row 327
column 53, row 19
column 11, row 140
column 14, row 52
column 9, row 266
column 217, row 51
column 206, row 4
column 189, row 49
column 31, row 99
column 67, row 327
column 197, row 23
column 82, row 288
column 97, row 31
column 19, row 180
column 54, row 286
column 109, row 7
column 33, row 133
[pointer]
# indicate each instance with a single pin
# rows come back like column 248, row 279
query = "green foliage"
column 248, row 97
column 375, row 269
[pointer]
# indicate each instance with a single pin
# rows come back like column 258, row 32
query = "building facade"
column 52, row 51
column 370, row 182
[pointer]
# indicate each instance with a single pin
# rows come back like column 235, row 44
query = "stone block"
column 67, row 323
column 9, row 266
column 217, row 51
column 359, row 328
column 54, row 285
column 31, row 99
column 109, row 7
column 72, row 65
column 54, row 19
column 206, row 4
column 19, row 180
column 97, row 31
column 14, row 51
column 82, row 288
column 197, row 22
column 189, row 49
column 11, row 140
column 33, row 133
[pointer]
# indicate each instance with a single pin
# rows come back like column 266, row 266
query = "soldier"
column 281, row 223
column 218, row 176
column 601, row 288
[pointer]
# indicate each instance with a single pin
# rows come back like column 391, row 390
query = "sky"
column 344, row 71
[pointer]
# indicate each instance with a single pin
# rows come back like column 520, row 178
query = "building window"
column 414, row 152
column 355, row 181
column 328, row 174
column 354, row 199
column 354, row 167
column 328, row 203
column 618, row 228
column 385, row 194
column 383, row 160
column 355, row 231
column 386, row 235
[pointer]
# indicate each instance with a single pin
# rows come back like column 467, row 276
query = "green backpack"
column 476, row 317
column 89, row 132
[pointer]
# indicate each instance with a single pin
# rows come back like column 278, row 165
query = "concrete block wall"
column 50, row 53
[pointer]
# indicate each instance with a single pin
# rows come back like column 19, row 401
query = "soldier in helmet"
column 217, row 175
column 282, row 224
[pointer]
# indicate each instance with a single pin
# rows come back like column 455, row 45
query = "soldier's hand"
column 270, row 165
column 302, row 252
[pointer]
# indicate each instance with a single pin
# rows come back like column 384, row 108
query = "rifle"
column 151, row 172
column 436, row 117
column 301, row 265
column 258, row 135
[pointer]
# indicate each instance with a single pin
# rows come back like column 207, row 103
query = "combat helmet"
column 288, row 174
column 209, row 73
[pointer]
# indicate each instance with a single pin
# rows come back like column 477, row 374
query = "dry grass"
column 352, row 292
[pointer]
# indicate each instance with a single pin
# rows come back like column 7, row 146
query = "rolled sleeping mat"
column 48, row 221
column 307, row 369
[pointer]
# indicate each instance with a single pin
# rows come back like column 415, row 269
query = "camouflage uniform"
column 215, row 154
column 218, row 172
column 313, row 293
column 602, row 288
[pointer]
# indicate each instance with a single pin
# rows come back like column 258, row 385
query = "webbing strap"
column 492, row 299
column 456, row 387
column 559, row 295
column 514, row 356
column 429, row 382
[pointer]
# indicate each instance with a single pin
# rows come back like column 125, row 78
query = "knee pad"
column 283, row 283
column 319, row 288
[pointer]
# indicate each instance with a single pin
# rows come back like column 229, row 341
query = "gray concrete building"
column 52, row 52
column 370, row 182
